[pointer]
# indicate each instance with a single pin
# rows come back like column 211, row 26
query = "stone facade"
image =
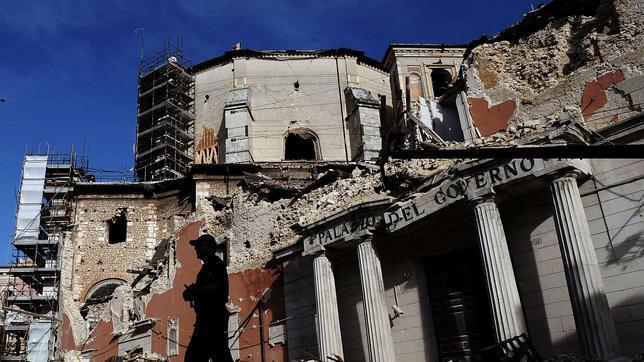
column 281, row 92
column 148, row 222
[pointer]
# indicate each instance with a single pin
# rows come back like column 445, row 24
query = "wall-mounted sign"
column 491, row 177
column 351, row 224
column 458, row 189
column 357, row 221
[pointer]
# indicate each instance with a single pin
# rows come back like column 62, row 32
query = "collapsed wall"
column 568, row 53
column 254, row 218
column 117, row 231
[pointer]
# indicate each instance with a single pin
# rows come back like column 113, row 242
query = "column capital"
column 561, row 174
column 319, row 252
column 483, row 196
column 367, row 237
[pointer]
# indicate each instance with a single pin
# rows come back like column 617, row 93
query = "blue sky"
column 68, row 68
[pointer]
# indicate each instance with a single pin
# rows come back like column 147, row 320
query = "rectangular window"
column 173, row 337
column 117, row 227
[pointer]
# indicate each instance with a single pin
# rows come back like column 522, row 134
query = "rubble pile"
column 256, row 227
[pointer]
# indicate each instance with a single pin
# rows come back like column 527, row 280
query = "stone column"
column 595, row 329
column 381, row 343
column 499, row 274
column 326, row 303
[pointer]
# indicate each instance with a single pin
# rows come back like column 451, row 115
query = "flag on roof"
column 236, row 46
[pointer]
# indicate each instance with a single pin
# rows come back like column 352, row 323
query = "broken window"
column 300, row 144
column 173, row 337
column 103, row 290
column 117, row 227
column 441, row 78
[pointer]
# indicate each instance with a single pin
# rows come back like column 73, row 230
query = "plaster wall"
column 276, row 106
column 615, row 216
column 215, row 83
column 539, row 271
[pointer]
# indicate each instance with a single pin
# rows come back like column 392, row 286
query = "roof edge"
column 228, row 56
column 391, row 47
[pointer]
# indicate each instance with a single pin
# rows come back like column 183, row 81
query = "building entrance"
column 460, row 308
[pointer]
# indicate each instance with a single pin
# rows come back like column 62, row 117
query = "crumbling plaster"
column 255, row 228
column 87, row 257
column 547, row 70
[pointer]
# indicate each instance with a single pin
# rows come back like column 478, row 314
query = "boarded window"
column 441, row 78
column 117, row 227
column 300, row 145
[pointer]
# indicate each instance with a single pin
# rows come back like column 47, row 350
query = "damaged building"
column 338, row 245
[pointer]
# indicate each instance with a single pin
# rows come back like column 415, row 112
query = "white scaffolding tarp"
column 38, row 343
column 31, row 193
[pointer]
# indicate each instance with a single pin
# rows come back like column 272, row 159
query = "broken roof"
column 539, row 18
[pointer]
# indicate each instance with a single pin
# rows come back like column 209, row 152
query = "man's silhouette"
column 208, row 296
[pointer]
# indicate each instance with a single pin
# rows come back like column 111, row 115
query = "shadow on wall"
column 208, row 296
column 299, row 292
column 349, row 293
column 625, row 245
column 539, row 272
column 404, row 275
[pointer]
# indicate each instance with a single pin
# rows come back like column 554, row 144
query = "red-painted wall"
column 246, row 289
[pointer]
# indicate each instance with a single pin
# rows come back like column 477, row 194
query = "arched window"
column 441, row 78
column 301, row 144
column 103, row 289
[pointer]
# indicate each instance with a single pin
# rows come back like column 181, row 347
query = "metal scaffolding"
column 165, row 117
column 44, row 215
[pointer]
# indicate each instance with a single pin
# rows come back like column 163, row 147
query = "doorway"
column 460, row 308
